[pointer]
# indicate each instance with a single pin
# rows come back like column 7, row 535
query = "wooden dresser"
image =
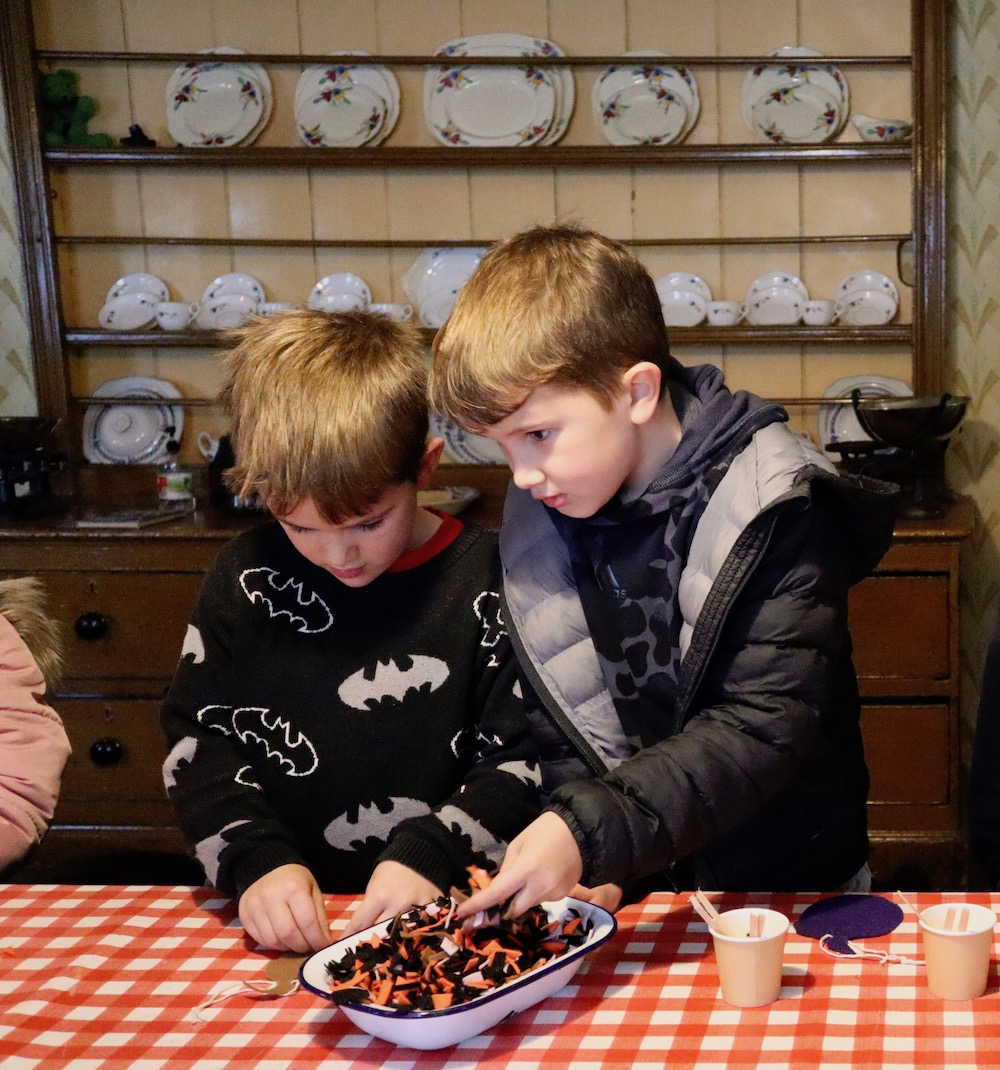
column 125, row 597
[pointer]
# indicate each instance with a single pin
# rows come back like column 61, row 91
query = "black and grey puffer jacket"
column 758, row 780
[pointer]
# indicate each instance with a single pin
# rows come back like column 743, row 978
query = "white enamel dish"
column 837, row 423
column 131, row 434
column 430, row 1030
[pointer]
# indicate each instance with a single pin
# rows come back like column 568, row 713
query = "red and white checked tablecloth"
column 109, row 979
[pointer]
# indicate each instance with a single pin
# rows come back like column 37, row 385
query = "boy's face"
column 568, row 450
column 360, row 549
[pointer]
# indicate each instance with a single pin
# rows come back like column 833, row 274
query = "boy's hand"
column 608, row 896
column 542, row 862
column 393, row 887
column 284, row 910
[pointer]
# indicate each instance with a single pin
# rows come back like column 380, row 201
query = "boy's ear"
column 643, row 383
column 429, row 461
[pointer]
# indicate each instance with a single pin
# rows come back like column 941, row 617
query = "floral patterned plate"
column 796, row 114
column 645, row 104
column 217, row 104
column 560, row 79
column 344, row 106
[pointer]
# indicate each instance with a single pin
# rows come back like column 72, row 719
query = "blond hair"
column 556, row 304
column 326, row 406
column 23, row 601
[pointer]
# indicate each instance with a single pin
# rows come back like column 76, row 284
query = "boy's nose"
column 525, row 478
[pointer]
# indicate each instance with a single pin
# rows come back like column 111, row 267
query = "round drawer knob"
column 106, row 751
column 91, row 625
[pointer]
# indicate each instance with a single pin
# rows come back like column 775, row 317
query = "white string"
column 884, row 958
column 268, row 989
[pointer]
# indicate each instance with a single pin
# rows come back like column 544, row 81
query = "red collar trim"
column 445, row 535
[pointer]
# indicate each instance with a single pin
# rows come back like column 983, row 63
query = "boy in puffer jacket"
column 676, row 570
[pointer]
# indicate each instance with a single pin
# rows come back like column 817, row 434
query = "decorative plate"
column 553, row 114
column 213, row 104
column 645, row 104
column 335, row 108
column 796, row 114
column 763, row 79
column 235, row 282
column 131, row 434
column 866, row 279
column 140, row 282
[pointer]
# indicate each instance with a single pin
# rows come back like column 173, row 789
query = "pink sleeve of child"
column 33, row 749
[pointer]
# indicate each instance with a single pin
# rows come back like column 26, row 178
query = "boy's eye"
column 372, row 525
column 539, row 436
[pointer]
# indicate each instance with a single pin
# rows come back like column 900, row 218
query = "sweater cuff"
column 423, row 856
column 255, row 864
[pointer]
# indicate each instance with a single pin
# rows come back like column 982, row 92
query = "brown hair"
column 326, row 406
column 24, row 602
column 557, row 304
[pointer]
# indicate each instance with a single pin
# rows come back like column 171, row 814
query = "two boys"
column 675, row 574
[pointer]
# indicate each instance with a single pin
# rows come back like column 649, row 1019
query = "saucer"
column 139, row 282
column 683, row 308
column 778, row 305
column 128, row 312
column 236, row 282
column 681, row 280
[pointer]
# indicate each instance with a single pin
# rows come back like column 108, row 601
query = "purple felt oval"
column 849, row 917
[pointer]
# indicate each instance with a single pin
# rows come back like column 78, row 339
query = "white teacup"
column 394, row 312
column 725, row 313
column 818, row 313
column 339, row 301
column 175, row 315
column 208, row 445
column 272, row 308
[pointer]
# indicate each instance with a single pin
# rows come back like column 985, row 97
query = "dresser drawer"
column 909, row 753
column 901, row 628
column 114, row 776
column 120, row 624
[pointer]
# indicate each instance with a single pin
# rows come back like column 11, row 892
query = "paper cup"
column 958, row 960
column 750, row 966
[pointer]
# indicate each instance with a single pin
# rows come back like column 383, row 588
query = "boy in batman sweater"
column 345, row 716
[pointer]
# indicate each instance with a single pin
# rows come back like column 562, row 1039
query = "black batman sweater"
column 334, row 727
